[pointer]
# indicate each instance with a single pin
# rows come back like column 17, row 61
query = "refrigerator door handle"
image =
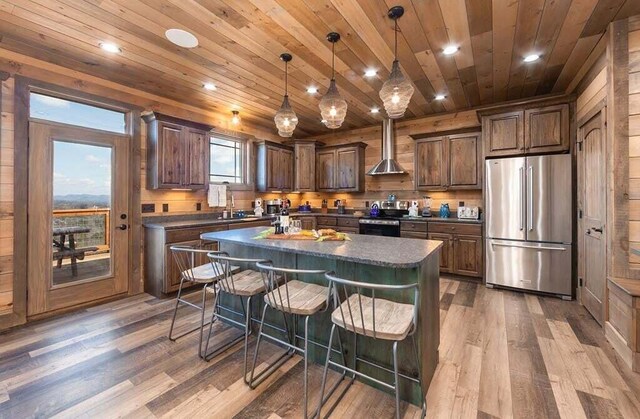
column 522, row 205
column 530, row 198
column 524, row 246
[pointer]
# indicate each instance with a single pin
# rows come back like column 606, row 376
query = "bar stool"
column 296, row 299
column 244, row 284
column 188, row 258
column 375, row 318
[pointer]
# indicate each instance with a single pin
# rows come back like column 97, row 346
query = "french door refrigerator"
column 529, row 223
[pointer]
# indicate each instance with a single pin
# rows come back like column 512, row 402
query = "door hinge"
column 580, row 282
column 579, row 144
column 580, row 214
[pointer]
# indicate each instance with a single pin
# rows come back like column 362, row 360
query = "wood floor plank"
column 503, row 354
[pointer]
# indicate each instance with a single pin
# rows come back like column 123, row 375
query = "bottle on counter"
column 284, row 217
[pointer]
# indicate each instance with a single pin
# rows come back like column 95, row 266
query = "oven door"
column 389, row 229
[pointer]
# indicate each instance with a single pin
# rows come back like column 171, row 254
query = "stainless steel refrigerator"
column 529, row 223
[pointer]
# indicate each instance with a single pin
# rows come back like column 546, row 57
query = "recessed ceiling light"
column 531, row 58
column 323, row 121
column 451, row 49
column 209, row 86
column 375, row 110
column 370, row 73
column 109, row 47
column 181, row 38
column 440, row 97
column 312, row 90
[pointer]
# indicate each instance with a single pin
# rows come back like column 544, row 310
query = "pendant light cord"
column 286, row 81
column 333, row 61
column 395, row 32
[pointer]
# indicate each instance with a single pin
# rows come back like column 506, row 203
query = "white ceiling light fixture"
column 235, row 119
column 312, row 90
column 440, row 97
column 286, row 119
column 181, row 38
column 333, row 107
column 109, row 47
column 450, row 50
column 209, row 86
column 375, row 110
column 531, row 58
column 370, row 72
column 396, row 92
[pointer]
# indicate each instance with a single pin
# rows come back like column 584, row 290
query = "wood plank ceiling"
column 240, row 42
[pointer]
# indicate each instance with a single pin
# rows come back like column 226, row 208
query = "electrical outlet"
column 146, row 208
column 198, row 206
column 165, row 207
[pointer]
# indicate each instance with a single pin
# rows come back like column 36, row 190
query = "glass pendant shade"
column 285, row 119
column 333, row 107
column 396, row 92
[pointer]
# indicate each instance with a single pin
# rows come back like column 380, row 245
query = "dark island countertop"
column 394, row 252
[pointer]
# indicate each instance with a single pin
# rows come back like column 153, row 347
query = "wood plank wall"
column 378, row 187
column 634, row 139
column 6, row 197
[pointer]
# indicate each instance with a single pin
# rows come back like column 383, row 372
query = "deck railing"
column 96, row 219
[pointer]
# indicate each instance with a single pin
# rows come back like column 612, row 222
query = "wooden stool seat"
column 206, row 273
column 393, row 321
column 246, row 283
column 302, row 298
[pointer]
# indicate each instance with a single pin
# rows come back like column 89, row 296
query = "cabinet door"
column 503, row 134
column 196, row 159
column 305, row 168
column 446, row 252
column 347, row 160
column 547, row 129
column 273, row 174
column 308, row 223
column 465, row 162
column 171, row 270
column 286, row 169
column 431, row 170
column 467, row 255
column 170, row 155
column 325, row 170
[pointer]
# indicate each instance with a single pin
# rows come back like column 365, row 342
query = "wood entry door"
column 78, row 245
column 592, row 214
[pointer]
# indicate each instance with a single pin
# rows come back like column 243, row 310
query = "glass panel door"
column 82, row 203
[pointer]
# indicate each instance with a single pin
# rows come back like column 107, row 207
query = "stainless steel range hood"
column 388, row 165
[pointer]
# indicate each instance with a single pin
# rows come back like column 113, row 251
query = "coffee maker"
column 273, row 206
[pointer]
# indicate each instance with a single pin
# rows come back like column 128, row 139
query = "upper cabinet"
column 177, row 153
column 304, row 174
column 274, row 167
column 448, row 162
column 543, row 129
column 340, row 168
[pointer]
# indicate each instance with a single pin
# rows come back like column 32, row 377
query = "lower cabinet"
column 462, row 252
column 172, row 271
column 308, row 223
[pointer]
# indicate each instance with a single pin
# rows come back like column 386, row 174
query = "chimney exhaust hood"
column 388, row 165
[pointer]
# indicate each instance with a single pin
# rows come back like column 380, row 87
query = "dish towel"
column 217, row 196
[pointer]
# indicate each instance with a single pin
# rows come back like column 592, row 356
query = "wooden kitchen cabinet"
column 274, row 167
column 305, row 166
column 462, row 251
column 527, row 130
column 308, row 223
column 448, row 162
column 172, row 271
column 340, row 168
column 503, row 133
column 177, row 153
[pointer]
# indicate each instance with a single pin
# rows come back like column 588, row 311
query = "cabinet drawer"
column 248, row 224
column 326, row 221
column 413, row 234
column 348, row 222
column 413, row 226
column 187, row 234
column 349, row 230
column 455, row 228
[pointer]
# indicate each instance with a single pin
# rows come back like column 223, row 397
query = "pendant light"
column 397, row 91
column 286, row 119
column 333, row 107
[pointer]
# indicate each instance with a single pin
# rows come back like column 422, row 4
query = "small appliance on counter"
column 374, row 211
column 445, row 212
column 342, row 205
column 413, row 209
column 273, row 206
column 304, row 207
column 468, row 213
column 258, row 210
column 426, row 206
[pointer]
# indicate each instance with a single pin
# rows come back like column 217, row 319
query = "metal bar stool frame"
column 185, row 259
column 221, row 263
column 269, row 273
column 334, row 283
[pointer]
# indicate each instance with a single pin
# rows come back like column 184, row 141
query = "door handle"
column 597, row 230
column 588, row 231
column 522, row 246
column 522, row 186
column 530, row 198
column 122, row 226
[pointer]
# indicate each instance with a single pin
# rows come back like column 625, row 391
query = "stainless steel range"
column 380, row 227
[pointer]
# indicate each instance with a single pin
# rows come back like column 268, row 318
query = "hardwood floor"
column 502, row 354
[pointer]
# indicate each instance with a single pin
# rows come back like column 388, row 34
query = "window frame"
column 245, row 156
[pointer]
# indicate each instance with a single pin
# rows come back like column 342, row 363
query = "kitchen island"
column 383, row 260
